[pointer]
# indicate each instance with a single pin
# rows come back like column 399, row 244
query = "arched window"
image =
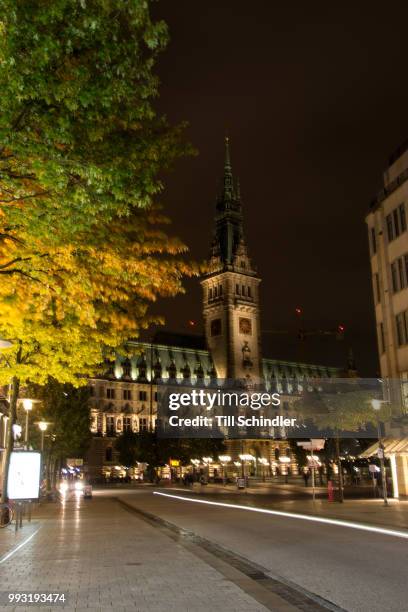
column 157, row 370
column 172, row 370
column 199, row 372
column 126, row 368
column 186, row 373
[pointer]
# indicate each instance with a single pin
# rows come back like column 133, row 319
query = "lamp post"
column 285, row 464
column 224, row 459
column 376, row 404
column 43, row 425
column 207, row 462
column 28, row 406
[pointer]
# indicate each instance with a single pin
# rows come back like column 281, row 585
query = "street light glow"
column 43, row 425
column 376, row 404
column 224, row 458
column 27, row 404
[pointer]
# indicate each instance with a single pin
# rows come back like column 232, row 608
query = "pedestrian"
column 306, row 476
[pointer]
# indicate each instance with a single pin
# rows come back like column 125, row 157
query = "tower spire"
column 228, row 191
column 227, row 165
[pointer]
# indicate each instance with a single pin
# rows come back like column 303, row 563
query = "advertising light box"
column 24, row 475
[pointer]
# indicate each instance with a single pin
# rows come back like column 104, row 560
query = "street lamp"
column 285, row 464
column 376, row 404
column 207, row 461
column 28, row 406
column 244, row 458
column 224, row 459
column 43, row 425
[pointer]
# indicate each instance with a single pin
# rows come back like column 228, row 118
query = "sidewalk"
column 104, row 557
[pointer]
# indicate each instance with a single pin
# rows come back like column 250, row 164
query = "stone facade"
column 388, row 246
column 126, row 397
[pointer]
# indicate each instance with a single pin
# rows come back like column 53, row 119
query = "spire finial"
column 227, row 154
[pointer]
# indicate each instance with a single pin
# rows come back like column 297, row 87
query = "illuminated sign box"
column 24, row 475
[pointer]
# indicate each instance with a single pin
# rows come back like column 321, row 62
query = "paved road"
column 104, row 557
column 356, row 570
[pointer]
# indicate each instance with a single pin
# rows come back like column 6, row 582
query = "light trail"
column 17, row 548
column 303, row 517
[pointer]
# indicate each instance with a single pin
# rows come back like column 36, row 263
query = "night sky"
column 314, row 97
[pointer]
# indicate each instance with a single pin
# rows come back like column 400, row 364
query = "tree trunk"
column 338, row 461
column 15, row 388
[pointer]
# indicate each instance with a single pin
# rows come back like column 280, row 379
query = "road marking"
column 12, row 552
column 293, row 515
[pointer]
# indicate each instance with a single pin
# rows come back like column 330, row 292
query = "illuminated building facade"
column 388, row 244
column 126, row 397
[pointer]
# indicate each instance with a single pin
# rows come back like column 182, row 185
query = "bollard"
column 330, row 491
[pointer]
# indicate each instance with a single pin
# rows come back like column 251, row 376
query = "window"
column 394, row 277
column 403, row 220
column 156, row 396
column 210, row 294
column 110, row 393
column 399, row 273
column 249, row 292
column 127, row 368
column 127, row 394
column 381, row 338
column 215, row 327
column 110, row 426
column 92, row 391
column 237, row 289
column 406, row 266
column 404, row 390
column 143, row 396
column 396, row 222
column 109, row 454
column 143, row 424
column 220, row 291
column 373, row 241
column 215, row 292
column 390, row 231
column 243, row 290
column 401, row 323
column 127, row 424
column 377, row 288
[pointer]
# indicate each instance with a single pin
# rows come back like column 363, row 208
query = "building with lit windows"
column 126, row 397
column 388, row 244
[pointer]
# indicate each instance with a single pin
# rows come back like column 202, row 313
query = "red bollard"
column 330, row 491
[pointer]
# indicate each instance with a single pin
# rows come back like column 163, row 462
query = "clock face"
column 215, row 327
column 245, row 326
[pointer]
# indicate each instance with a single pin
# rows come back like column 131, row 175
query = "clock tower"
column 231, row 291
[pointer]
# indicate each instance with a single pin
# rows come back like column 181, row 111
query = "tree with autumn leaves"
column 83, row 251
